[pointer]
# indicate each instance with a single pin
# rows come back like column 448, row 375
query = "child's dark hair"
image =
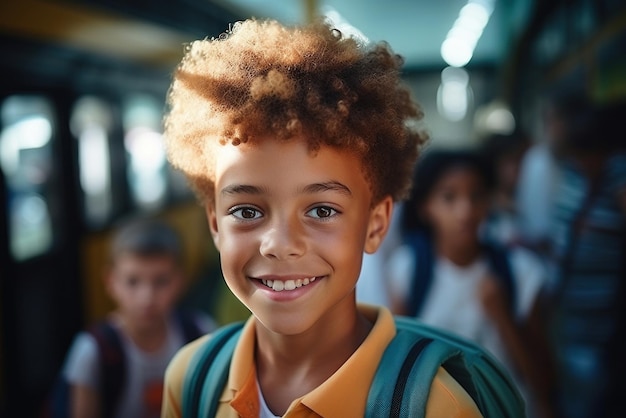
column 262, row 79
column 146, row 237
column 431, row 167
column 575, row 111
column 499, row 145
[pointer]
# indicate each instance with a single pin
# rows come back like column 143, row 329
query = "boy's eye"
column 245, row 213
column 322, row 212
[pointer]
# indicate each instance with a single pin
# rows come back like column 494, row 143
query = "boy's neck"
column 289, row 367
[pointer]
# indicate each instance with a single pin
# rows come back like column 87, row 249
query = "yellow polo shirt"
column 343, row 395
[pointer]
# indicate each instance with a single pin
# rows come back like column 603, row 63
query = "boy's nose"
column 282, row 240
column 145, row 295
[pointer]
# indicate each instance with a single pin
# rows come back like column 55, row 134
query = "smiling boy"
column 297, row 140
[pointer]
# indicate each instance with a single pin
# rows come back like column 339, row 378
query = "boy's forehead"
column 275, row 149
column 294, row 157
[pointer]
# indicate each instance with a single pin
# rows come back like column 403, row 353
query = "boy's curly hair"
column 263, row 79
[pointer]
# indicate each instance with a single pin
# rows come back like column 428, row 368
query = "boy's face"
column 457, row 205
column 145, row 288
column 284, row 218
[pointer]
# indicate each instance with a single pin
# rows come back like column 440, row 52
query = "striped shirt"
column 589, row 258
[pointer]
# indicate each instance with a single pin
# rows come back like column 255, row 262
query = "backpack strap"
column 386, row 399
column 208, row 371
column 412, row 360
column 112, row 364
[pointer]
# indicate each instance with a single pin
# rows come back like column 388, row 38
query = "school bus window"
column 143, row 140
column 91, row 125
column 26, row 159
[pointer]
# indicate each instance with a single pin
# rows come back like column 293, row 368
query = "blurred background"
column 82, row 92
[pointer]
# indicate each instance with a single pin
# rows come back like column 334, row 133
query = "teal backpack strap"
column 208, row 371
column 386, row 398
column 476, row 370
column 412, row 360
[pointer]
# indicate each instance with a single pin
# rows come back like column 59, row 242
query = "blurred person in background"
column 539, row 174
column 587, row 292
column 504, row 152
column 447, row 276
column 116, row 367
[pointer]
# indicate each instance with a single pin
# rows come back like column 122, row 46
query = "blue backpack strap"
column 412, row 360
column 112, row 364
column 424, row 253
column 208, row 371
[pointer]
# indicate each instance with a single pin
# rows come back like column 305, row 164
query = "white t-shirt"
column 264, row 410
column 144, row 371
column 452, row 302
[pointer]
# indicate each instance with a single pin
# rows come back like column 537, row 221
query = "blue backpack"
column 112, row 368
column 402, row 381
column 423, row 251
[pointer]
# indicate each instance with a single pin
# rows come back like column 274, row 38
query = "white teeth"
column 279, row 286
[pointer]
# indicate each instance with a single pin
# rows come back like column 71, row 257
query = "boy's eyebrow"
column 328, row 186
column 241, row 189
column 311, row 188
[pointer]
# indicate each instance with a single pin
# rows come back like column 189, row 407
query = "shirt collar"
column 351, row 381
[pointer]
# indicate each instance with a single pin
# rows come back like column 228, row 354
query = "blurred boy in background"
column 116, row 368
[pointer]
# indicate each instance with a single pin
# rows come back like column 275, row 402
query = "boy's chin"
column 284, row 326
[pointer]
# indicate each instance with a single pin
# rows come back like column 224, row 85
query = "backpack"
column 402, row 381
column 112, row 368
column 423, row 251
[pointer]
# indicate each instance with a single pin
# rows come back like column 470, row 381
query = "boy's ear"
column 380, row 217
column 212, row 221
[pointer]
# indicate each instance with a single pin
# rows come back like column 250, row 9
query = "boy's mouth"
column 279, row 285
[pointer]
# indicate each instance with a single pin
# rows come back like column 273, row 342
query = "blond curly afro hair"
column 265, row 80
